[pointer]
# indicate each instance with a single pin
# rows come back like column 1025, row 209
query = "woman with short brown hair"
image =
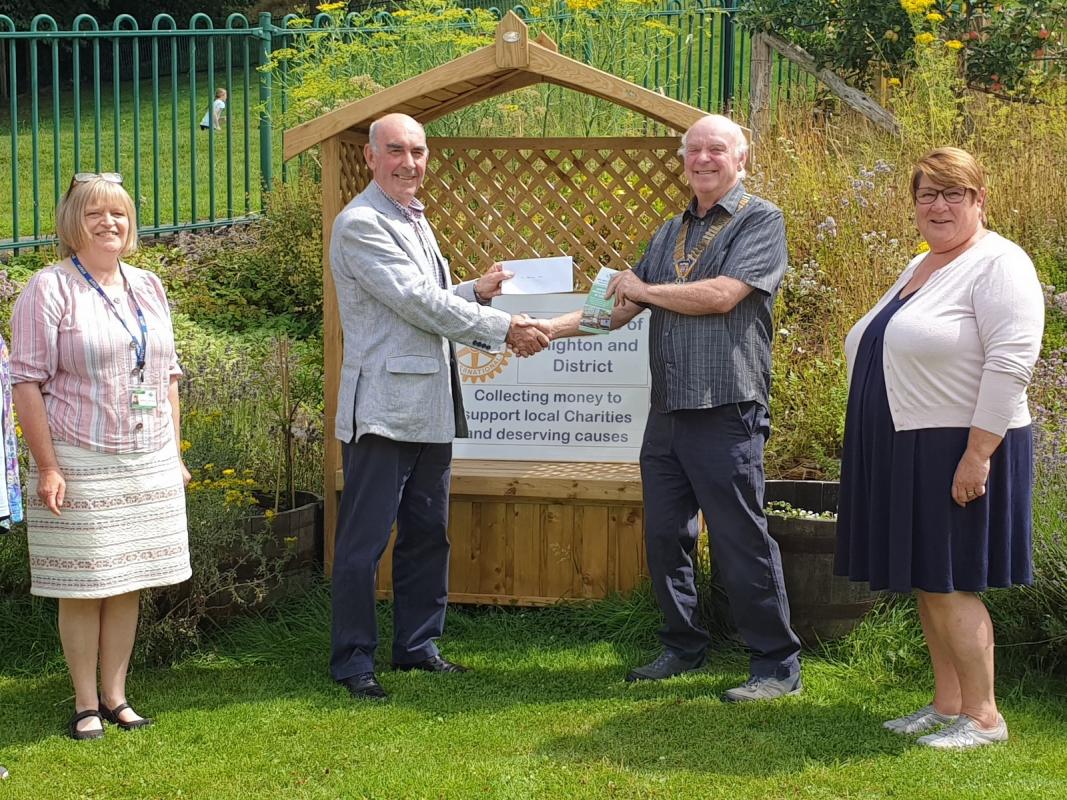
column 937, row 464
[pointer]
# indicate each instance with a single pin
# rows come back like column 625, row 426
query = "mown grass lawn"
column 544, row 714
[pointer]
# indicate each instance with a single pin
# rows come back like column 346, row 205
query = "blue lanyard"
column 142, row 346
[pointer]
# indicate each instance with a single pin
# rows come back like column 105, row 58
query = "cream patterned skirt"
column 122, row 526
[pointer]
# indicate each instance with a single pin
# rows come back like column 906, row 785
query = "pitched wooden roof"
column 511, row 62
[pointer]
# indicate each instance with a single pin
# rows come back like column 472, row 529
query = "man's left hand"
column 488, row 286
column 626, row 286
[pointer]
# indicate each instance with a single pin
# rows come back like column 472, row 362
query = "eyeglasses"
column 86, row 177
column 953, row 195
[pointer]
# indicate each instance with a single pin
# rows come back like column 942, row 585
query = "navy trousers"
column 711, row 460
column 385, row 482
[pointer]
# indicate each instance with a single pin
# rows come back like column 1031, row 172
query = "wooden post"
column 512, row 42
column 759, row 87
column 332, row 343
column 854, row 98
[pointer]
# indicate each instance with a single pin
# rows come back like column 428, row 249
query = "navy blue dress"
column 898, row 527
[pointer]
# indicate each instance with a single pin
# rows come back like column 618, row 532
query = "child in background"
column 217, row 113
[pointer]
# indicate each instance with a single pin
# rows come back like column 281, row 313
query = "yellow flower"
column 186, row 444
column 326, row 8
column 925, row 38
column 934, row 17
column 922, row 248
column 916, row 6
column 954, row 44
column 18, row 430
column 893, row 82
column 209, row 466
column 270, row 514
column 229, row 472
column 583, row 5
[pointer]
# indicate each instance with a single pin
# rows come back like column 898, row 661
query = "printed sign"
column 581, row 399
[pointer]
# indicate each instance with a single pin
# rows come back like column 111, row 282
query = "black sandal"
column 72, row 726
column 112, row 716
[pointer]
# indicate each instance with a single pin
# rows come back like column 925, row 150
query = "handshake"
column 527, row 336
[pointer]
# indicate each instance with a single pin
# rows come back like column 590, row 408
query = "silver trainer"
column 964, row 734
column 763, row 689
column 925, row 719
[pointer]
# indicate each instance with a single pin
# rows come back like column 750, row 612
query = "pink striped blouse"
column 65, row 338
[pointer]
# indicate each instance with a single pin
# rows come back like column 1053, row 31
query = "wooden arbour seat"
column 535, row 533
column 522, row 532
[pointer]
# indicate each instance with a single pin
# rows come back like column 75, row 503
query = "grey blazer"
column 397, row 320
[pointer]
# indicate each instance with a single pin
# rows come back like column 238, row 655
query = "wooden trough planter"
column 530, row 533
column 823, row 606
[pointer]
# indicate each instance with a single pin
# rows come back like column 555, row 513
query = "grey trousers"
column 711, row 460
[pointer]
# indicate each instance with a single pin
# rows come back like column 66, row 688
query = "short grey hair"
column 740, row 142
column 372, row 132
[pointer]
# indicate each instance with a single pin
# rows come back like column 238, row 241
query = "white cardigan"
column 961, row 351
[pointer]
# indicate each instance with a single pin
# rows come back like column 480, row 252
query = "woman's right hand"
column 51, row 488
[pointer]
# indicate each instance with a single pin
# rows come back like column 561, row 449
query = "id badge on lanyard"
column 142, row 398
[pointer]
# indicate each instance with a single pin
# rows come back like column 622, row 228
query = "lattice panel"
column 355, row 174
column 597, row 200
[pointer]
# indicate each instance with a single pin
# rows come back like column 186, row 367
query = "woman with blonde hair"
column 937, row 466
column 96, row 390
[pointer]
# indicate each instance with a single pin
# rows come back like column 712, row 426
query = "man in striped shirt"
column 710, row 276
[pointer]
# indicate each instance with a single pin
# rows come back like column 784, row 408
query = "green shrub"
column 1002, row 45
column 266, row 274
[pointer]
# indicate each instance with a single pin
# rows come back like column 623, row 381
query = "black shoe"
column 666, row 665
column 432, row 664
column 112, row 716
column 365, row 686
column 95, row 733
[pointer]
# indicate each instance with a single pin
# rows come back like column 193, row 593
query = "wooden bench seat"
column 536, row 533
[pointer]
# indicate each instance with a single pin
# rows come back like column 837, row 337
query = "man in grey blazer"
column 399, row 406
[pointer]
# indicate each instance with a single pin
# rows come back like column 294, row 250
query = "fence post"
column 728, row 57
column 266, row 151
column 759, row 86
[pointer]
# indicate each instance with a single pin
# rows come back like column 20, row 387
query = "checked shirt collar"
column 415, row 213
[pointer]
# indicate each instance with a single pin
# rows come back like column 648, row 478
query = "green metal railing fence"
column 131, row 100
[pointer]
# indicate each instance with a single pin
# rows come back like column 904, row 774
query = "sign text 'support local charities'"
column 580, row 399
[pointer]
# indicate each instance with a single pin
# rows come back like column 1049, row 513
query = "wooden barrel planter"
column 823, row 605
column 296, row 538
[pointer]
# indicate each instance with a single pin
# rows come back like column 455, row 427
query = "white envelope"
column 539, row 275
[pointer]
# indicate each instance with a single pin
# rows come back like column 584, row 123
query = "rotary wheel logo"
column 476, row 365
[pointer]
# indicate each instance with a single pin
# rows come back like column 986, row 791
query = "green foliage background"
column 1006, row 46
